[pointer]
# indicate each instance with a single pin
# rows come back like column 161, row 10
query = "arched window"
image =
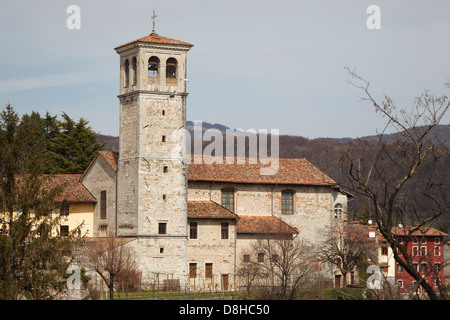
column 171, row 71
column 134, row 68
column 126, row 67
column 287, row 202
column 338, row 210
column 228, row 199
column 153, row 67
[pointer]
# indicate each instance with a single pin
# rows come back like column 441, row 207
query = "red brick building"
column 426, row 248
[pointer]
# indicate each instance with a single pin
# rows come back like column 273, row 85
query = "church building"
column 191, row 222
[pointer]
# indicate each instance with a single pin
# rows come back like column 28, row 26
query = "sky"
column 259, row 65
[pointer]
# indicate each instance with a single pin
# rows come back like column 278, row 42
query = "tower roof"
column 155, row 38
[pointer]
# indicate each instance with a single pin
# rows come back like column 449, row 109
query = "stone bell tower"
column 152, row 176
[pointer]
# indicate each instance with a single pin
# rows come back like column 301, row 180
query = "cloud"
column 49, row 80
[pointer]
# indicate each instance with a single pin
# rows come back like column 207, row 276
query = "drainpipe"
column 331, row 232
column 235, row 251
column 271, row 200
column 115, row 222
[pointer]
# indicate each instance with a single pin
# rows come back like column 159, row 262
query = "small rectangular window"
column 208, row 270
column 163, row 138
column 224, row 231
column 165, row 169
column 423, row 267
column 193, row 226
column 64, row 209
column 437, row 251
column 287, row 202
column 64, row 231
column 192, row 270
column 162, row 228
column 246, row 258
column 103, row 230
column 228, row 199
column 260, row 257
column 103, row 204
column 423, row 251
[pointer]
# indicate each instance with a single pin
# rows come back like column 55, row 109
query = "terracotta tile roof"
column 89, row 245
column 424, row 231
column 155, row 38
column 363, row 232
column 110, row 157
column 73, row 189
column 209, row 209
column 263, row 224
column 290, row 171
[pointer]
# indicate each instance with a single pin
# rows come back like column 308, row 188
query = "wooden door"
column 225, row 282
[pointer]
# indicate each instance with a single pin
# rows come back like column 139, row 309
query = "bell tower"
column 152, row 176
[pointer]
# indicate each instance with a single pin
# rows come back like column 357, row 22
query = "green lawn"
column 150, row 295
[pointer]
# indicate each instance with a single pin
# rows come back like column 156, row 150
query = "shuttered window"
column 192, row 270
column 193, row 230
column 103, row 204
column 224, row 232
column 208, row 270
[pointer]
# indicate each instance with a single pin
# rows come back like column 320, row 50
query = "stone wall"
column 102, row 177
column 209, row 247
column 313, row 205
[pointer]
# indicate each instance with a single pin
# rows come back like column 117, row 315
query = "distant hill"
column 112, row 142
column 290, row 146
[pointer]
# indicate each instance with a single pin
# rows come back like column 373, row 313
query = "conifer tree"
column 32, row 262
column 74, row 147
column 51, row 128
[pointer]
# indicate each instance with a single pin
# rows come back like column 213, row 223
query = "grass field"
column 163, row 295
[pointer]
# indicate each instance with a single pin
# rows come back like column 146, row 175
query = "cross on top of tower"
column 154, row 19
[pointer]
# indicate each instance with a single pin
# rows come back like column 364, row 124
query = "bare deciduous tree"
column 343, row 246
column 109, row 257
column 385, row 172
column 280, row 269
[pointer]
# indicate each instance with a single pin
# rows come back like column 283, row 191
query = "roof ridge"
column 156, row 38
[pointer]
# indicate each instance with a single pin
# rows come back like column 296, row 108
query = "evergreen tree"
column 74, row 147
column 51, row 128
column 31, row 257
column 365, row 214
